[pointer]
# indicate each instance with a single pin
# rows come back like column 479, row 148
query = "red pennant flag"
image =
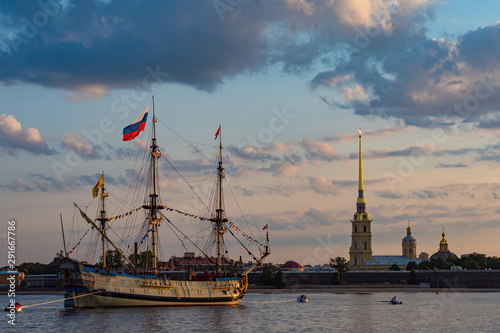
column 217, row 133
column 265, row 227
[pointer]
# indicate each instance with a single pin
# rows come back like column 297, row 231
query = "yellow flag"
column 95, row 190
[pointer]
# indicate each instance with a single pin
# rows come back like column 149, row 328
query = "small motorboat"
column 17, row 307
column 396, row 300
column 302, row 299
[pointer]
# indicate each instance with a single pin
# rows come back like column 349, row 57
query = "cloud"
column 389, row 194
column 317, row 150
column 92, row 47
column 468, row 195
column 282, row 169
column 13, row 138
column 258, row 154
column 423, row 194
column 376, row 54
column 320, row 217
column 322, row 186
column 79, row 145
column 456, row 165
column 36, row 182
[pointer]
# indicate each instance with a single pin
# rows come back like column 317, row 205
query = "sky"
column 290, row 81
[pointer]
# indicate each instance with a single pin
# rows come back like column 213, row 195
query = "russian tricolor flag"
column 132, row 131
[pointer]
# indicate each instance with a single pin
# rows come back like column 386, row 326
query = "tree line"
column 469, row 262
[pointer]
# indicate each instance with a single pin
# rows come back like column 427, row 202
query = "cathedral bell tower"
column 361, row 239
column 409, row 244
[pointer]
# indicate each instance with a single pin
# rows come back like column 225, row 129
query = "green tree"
column 267, row 275
column 412, row 278
column 32, row 268
column 424, row 265
column 340, row 263
column 493, row 263
column 113, row 259
column 411, row 265
column 143, row 259
column 394, row 267
column 336, row 278
column 438, row 263
column 471, row 264
column 279, row 280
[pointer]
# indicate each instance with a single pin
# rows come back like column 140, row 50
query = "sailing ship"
column 88, row 285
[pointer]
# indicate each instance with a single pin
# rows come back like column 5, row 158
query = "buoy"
column 302, row 299
column 395, row 300
column 437, row 292
column 16, row 308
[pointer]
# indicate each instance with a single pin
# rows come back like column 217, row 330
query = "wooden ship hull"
column 93, row 287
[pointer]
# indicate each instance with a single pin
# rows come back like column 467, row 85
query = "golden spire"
column 361, row 198
column 360, row 187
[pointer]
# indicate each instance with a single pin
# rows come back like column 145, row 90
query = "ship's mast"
column 154, row 220
column 103, row 220
column 220, row 211
column 64, row 240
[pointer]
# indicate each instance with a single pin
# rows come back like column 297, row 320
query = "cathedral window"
column 355, row 228
column 366, row 246
column 364, row 228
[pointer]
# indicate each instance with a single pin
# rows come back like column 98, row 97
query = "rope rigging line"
column 64, row 299
column 288, row 300
column 207, row 256
column 250, row 253
column 192, row 146
column 185, row 180
column 242, row 194
column 187, row 214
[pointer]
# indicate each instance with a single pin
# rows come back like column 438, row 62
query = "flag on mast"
column 217, row 133
column 265, row 227
column 132, row 131
column 96, row 188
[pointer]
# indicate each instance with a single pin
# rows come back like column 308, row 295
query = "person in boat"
column 17, row 307
column 302, row 298
column 396, row 300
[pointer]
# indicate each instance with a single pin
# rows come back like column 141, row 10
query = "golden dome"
column 443, row 241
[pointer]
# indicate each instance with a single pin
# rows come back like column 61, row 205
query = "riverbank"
column 343, row 289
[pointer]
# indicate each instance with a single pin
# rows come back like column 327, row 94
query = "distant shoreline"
column 353, row 289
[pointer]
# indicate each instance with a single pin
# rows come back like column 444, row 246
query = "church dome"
column 291, row 266
column 443, row 251
column 409, row 239
column 443, row 254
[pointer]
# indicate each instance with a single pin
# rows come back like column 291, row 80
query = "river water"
column 325, row 312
